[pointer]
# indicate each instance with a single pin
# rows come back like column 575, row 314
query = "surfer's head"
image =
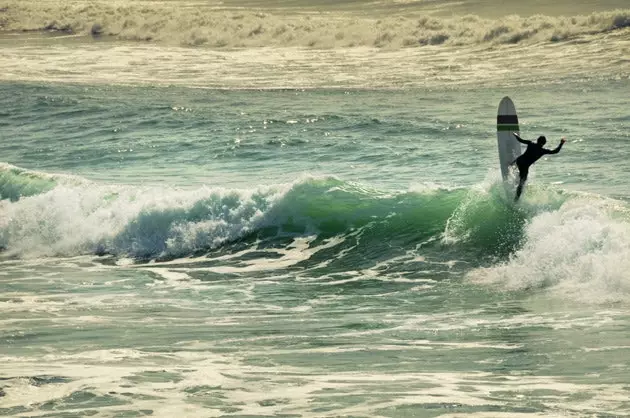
column 541, row 140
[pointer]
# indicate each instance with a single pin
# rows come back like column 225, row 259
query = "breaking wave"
column 579, row 251
column 577, row 246
column 69, row 217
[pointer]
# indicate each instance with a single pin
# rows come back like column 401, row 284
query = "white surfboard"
column 509, row 147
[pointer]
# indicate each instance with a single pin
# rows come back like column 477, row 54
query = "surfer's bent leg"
column 522, row 171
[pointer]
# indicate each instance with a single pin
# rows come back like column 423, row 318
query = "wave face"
column 192, row 25
column 66, row 218
column 69, row 217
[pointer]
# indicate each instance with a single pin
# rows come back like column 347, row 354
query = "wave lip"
column 16, row 182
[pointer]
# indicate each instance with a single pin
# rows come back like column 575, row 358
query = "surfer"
column 533, row 152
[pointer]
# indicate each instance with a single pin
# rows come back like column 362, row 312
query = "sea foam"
column 75, row 217
column 580, row 252
column 221, row 28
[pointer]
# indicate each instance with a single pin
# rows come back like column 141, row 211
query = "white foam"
column 580, row 251
column 292, row 66
column 136, row 221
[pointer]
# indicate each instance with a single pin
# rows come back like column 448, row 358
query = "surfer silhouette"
column 533, row 152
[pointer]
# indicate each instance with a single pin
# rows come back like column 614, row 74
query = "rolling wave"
column 68, row 217
column 573, row 244
column 237, row 28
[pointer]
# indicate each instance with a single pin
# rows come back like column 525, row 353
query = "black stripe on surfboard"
column 507, row 119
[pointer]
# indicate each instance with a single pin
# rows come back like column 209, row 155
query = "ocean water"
column 294, row 209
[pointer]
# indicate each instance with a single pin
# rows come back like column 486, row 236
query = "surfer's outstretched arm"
column 521, row 140
column 556, row 149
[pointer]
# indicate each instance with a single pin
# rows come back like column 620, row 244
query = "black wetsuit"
column 532, row 154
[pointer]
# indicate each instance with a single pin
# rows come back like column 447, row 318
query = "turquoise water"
column 294, row 231
column 310, row 253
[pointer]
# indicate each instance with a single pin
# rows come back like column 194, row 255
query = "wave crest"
column 17, row 182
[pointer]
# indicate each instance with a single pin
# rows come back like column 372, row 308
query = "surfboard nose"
column 509, row 147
